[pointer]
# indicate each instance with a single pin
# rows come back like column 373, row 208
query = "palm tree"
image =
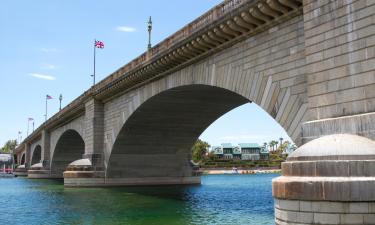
column 271, row 144
column 281, row 141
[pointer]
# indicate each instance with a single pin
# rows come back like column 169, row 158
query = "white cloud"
column 48, row 50
column 42, row 76
column 125, row 29
column 48, row 66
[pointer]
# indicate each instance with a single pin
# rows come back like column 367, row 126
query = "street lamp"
column 19, row 136
column 60, row 99
column 149, row 32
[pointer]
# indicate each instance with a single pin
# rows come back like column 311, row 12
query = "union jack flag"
column 99, row 44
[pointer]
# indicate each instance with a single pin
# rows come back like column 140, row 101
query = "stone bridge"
column 309, row 64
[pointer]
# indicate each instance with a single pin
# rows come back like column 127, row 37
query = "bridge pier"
column 329, row 180
column 79, row 180
column 20, row 171
column 38, row 171
column 81, row 173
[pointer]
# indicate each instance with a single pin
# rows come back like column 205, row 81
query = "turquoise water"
column 221, row 199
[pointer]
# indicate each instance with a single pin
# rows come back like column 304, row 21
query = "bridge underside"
column 154, row 145
column 37, row 155
column 69, row 148
column 156, row 141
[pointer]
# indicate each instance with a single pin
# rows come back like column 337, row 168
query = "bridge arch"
column 156, row 139
column 69, row 147
column 36, row 155
column 22, row 159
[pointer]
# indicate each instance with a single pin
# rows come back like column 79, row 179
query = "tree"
column 284, row 147
column 9, row 146
column 281, row 141
column 271, row 144
column 199, row 150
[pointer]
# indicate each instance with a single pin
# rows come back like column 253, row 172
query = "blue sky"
column 47, row 48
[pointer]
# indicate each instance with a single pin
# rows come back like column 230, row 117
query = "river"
column 220, row 199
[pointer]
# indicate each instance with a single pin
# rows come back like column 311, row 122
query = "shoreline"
column 238, row 171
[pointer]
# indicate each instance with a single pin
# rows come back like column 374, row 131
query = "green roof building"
column 243, row 151
column 250, row 151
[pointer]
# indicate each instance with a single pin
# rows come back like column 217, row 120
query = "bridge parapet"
column 219, row 28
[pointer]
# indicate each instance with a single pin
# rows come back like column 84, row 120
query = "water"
column 221, row 199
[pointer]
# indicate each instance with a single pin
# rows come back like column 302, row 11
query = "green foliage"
column 242, row 164
column 273, row 145
column 276, row 157
column 9, row 146
column 199, row 150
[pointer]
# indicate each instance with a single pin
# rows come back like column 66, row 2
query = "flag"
column 30, row 119
column 99, row 44
column 48, row 97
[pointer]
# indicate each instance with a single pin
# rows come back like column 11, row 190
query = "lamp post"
column 60, row 99
column 28, row 125
column 19, row 136
column 149, row 33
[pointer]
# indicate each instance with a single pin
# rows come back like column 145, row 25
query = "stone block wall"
column 340, row 57
column 94, row 125
column 293, row 212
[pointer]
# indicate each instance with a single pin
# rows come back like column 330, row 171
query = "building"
column 250, row 151
column 217, row 151
column 227, row 150
column 264, row 154
column 243, row 151
column 5, row 163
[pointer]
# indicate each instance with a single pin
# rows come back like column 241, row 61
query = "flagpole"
column 94, row 60
column 28, row 123
column 46, row 110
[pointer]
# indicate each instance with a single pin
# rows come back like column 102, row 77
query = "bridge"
column 309, row 64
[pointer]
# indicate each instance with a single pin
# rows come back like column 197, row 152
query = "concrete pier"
column 37, row 171
column 20, row 171
column 81, row 173
column 329, row 180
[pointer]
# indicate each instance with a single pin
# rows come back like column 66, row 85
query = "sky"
column 47, row 48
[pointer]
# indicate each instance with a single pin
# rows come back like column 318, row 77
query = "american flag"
column 30, row 119
column 48, row 97
column 99, row 44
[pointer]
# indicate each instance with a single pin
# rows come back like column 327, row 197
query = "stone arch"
column 22, row 159
column 274, row 80
column 69, row 147
column 76, row 124
column 163, row 129
column 36, row 155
